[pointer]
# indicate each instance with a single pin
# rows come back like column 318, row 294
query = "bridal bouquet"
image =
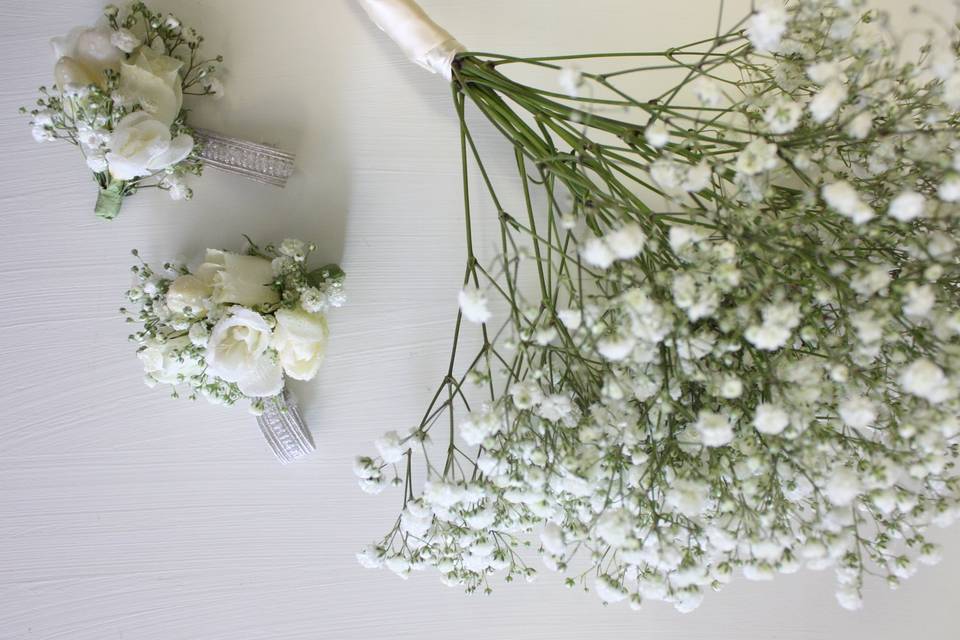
column 721, row 330
column 237, row 325
column 119, row 97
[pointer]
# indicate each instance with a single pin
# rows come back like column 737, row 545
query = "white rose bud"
column 238, row 279
column 188, row 292
column 83, row 55
column 301, row 342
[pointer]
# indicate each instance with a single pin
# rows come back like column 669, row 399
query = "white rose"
column 238, row 279
column 83, row 55
column 162, row 362
column 141, row 145
column 152, row 81
column 301, row 342
column 238, row 351
column 188, row 291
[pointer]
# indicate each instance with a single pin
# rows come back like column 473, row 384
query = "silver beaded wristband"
column 284, row 428
column 262, row 163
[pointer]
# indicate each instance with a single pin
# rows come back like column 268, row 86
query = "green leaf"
column 327, row 273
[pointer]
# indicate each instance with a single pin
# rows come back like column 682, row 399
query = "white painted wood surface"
column 125, row 514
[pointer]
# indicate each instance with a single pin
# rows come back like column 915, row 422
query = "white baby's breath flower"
column 844, row 199
column 597, row 253
column 473, row 304
column 370, row 558
column 199, row 335
column 715, row 429
column 758, row 572
column 858, row 412
column 526, row 395
column 731, row 388
column 920, row 301
column 826, row 103
column 849, row 598
column 926, row 380
column 783, row 116
column 43, row 134
column 698, row 178
column 949, row 190
column 757, row 157
column 390, row 447
column 478, row 426
column 657, row 134
column 627, row 242
column 214, row 87
column 176, row 187
column 908, row 206
column 824, row 71
column 859, row 127
column 767, row 26
column 613, row 527
column 312, row 300
column 616, row 348
column 571, row 318
column 842, row 487
column 609, row 590
column 293, row 248
column 43, row 118
column 770, row 419
column 688, row 497
column 551, row 537
column 707, row 91
column 667, row 174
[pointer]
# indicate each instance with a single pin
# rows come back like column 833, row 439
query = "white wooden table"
column 125, row 514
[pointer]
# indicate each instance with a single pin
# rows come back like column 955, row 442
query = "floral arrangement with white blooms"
column 235, row 327
column 720, row 333
column 119, row 97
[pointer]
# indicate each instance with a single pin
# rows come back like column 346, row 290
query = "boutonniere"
column 119, row 96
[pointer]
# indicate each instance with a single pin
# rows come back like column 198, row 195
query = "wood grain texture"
column 125, row 514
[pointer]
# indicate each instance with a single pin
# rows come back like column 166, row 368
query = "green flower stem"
column 110, row 199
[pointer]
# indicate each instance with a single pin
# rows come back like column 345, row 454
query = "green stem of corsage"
column 110, row 199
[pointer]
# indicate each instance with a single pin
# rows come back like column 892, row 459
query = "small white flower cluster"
column 119, row 97
column 760, row 374
column 237, row 325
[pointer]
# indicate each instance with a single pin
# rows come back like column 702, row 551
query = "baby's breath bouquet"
column 119, row 97
column 237, row 325
column 720, row 333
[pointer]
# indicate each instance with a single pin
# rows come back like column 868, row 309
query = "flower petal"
column 263, row 380
column 178, row 150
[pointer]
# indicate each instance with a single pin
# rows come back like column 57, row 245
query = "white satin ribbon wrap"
column 421, row 39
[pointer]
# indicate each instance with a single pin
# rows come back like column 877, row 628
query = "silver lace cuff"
column 258, row 162
column 284, row 429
